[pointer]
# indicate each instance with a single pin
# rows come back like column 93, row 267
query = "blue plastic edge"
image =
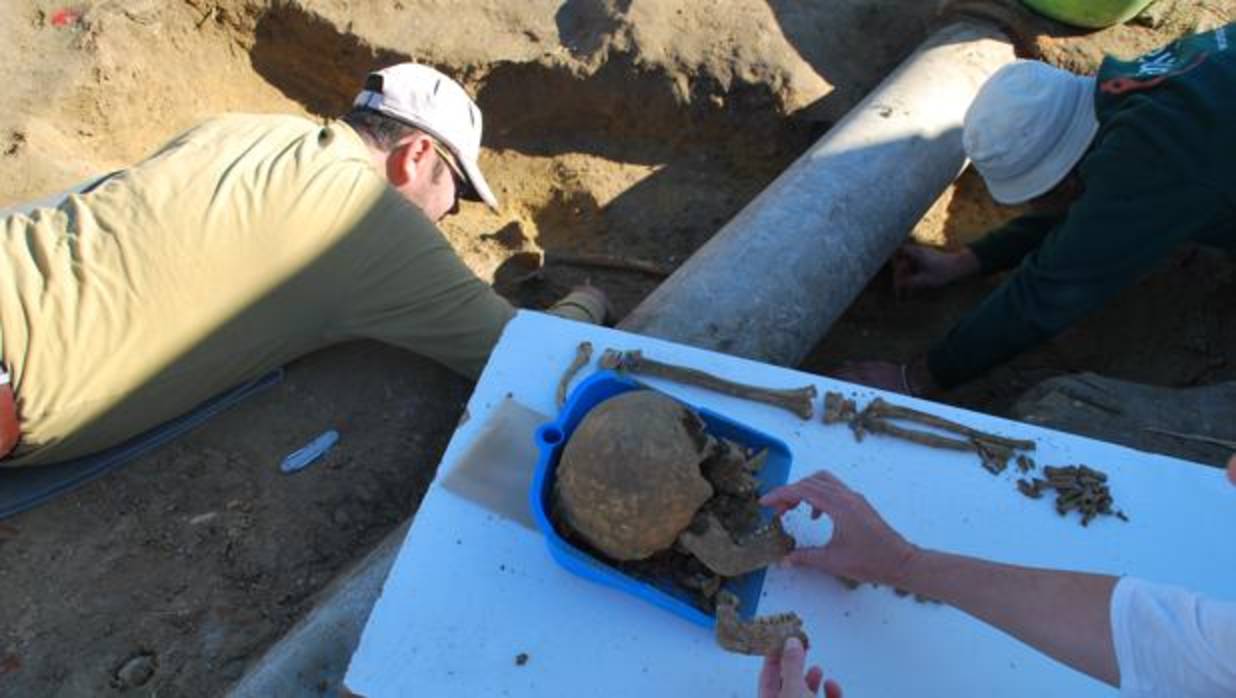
column 552, row 436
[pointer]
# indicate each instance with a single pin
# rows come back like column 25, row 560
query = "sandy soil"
column 628, row 127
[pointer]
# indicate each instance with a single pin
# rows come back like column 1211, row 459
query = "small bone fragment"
column 799, row 400
column 706, row 584
column 720, row 553
column 583, row 354
column 1025, row 463
column 838, row 409
column 762, row 637
column 729, row 471
column 1068, row 472
column 1085, row 471
column 1028, row 489
column 858, row 425
column 994, row 456
column 756, row 463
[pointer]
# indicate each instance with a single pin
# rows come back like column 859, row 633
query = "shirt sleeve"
column 402, row 283
column 1004, row 247
column 1135, row 209
column 581, row 307
column 1172, row 642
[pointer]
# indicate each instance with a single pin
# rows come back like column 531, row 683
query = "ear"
column 403, row 159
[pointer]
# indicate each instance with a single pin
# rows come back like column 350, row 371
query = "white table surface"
column 471, row 590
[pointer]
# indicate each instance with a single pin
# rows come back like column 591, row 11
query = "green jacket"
column 1158, row 174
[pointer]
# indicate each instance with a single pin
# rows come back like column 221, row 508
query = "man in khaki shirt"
column 242, row 244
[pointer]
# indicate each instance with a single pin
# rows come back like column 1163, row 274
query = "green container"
column 1092, row 14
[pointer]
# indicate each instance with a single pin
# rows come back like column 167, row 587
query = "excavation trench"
column 630, row 129
column 206, row 552
column 623, row 160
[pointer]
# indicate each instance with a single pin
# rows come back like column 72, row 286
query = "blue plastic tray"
column 551, row 438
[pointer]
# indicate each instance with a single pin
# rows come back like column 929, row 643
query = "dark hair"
column 379, row 129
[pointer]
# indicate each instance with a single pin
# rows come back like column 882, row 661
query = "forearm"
column 1056, row 286
column 1006, row 323
column 1005, row 247
column 1065, row 615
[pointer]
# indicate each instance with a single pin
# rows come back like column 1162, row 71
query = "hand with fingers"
column 863, row 547
column 918, row 267
column 786, row 676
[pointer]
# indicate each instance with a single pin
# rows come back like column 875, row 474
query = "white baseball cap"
column 1028, row 127
column 424, row 98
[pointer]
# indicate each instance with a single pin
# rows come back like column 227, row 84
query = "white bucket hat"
column 425, row 98
column 1028, row 127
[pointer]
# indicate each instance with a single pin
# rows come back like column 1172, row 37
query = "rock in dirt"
column 136, row 671
column 1179, row 422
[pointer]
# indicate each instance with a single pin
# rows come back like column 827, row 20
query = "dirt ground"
column 626, row 127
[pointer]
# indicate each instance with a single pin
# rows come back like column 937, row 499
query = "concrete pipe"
column 776, row 277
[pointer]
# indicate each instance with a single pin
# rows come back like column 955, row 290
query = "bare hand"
column 884, row 375
column 863, row 547
column 783, row 675
column 917, row 267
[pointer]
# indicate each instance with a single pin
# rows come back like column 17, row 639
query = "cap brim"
column 1073, row 144
column 479, row 189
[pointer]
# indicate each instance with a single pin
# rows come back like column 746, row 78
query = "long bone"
column 583, row 355
column 994, row 451
column 879, row 408
column 800, row 401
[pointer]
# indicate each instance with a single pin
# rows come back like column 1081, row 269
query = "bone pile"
column 1077, row 487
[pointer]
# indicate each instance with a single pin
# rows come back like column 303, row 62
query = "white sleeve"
column 1172, row 642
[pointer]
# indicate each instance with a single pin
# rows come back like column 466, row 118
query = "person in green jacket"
column 1119, row 169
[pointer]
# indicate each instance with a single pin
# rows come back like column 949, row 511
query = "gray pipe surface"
column 771, row 282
